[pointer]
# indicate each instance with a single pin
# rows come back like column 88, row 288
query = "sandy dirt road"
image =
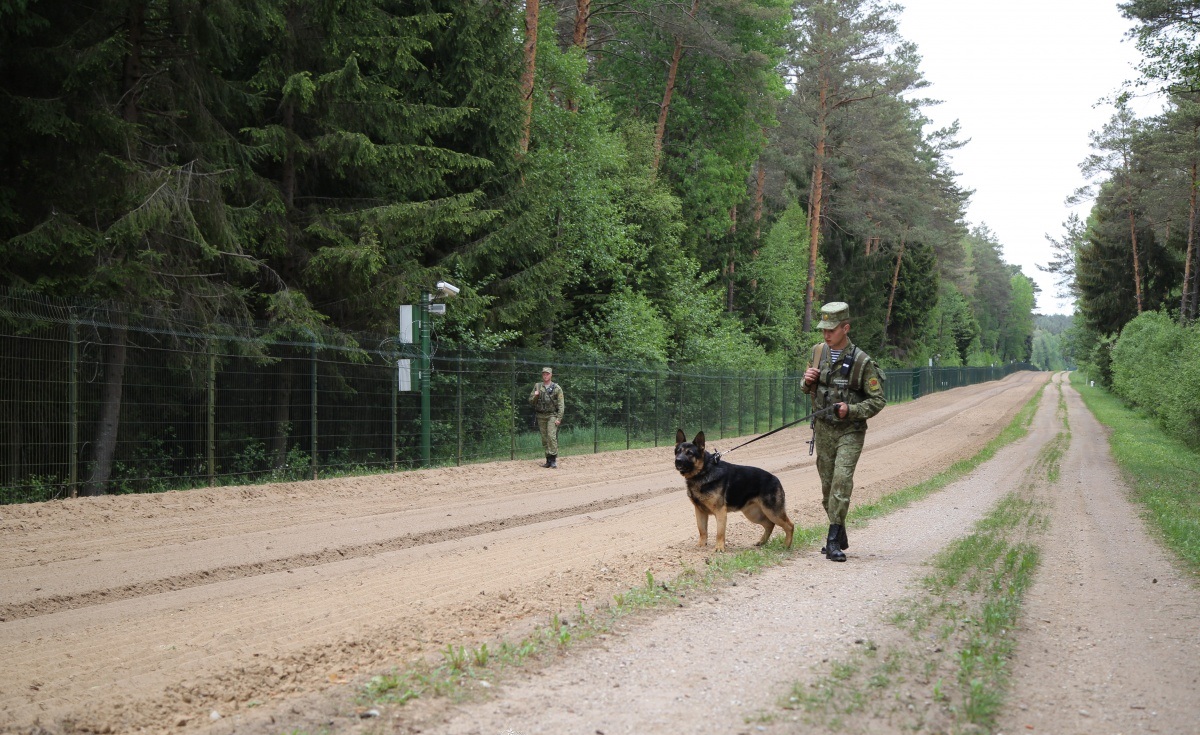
column 267, row 604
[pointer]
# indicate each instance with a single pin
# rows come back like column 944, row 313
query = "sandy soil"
column 260, row 609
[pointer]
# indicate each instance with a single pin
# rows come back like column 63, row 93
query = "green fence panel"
column 204, row 405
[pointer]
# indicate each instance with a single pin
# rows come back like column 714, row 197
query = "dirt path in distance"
column 268, row 605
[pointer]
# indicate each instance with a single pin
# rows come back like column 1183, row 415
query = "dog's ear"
column 680, row 437
column 699, row 441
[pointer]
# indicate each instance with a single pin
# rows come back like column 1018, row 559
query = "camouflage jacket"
column 548, row 399
column 855, row 380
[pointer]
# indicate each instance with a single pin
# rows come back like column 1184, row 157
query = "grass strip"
column 950, row 672
column 947, row 670
column 1163, row 472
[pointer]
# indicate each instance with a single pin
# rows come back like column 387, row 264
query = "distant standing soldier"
column 548, row 403
column 843, row 376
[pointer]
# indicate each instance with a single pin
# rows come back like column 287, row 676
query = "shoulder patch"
column 873, row 384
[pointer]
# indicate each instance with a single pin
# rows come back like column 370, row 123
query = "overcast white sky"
column 1023, row 79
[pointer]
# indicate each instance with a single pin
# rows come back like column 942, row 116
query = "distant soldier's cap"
column 833, row 314
column 547, row 370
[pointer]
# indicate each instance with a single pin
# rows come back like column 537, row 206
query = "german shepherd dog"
column 716, row 488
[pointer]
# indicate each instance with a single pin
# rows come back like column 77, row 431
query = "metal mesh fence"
column 94, row 399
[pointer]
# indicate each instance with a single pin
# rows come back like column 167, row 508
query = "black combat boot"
column 843, row 540
column 833, row 551
column 547, row 463
column 553, row 462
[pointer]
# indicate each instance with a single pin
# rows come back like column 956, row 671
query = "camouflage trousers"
column 837, row 456
column 549, row 432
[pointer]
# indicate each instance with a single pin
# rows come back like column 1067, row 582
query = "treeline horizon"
column 658, row 183
column 1130, row 265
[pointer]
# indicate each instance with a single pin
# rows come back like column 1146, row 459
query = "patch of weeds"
column 392, row 688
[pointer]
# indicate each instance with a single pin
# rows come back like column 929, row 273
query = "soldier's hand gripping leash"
column 811, row 417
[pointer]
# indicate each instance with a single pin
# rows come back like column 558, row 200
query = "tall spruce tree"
column 843, row 54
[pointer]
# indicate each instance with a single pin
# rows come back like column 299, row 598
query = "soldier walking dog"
column 842, row 377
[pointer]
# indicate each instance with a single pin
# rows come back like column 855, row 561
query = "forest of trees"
column 658, row 182
column 1136, row 251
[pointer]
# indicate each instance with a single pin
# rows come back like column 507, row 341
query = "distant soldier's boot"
column 833, row 551
column 548, row 463
column 553, row 462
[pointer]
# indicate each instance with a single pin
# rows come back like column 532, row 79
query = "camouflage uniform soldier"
column 548, row 404
column 840, row 375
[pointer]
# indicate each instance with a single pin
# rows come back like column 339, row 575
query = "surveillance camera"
column 447, row 289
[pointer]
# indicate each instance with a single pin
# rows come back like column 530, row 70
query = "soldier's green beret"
column 833, row 314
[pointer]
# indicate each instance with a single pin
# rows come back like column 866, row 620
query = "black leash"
column 813, row 415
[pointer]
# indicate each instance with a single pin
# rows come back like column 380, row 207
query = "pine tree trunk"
column 583, row 10
column 672, row 71
column 1137, row 277
column 816, row 192
column 1187, row 301
column 661, row 128
column 132, row 72
column 759, row 185
column 760, row 180
column 288, row 179
column 579, row 38
column 527, row 75
column 732, row 261
column 105, row 444
column 887, row 317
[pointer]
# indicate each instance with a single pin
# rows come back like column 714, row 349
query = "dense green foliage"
column 305, row 164
column 1156, row 368
column 1132, row 264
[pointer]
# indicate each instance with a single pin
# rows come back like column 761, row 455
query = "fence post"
column 395, row 413
column 458, row 458
column 627, row 418
column 313, row 407
column 73, row 398
column 512, row 398
column 680, row 399
column 656, row 408
column 211, row 444
column 770, row 401
column 426, row 381
column 783, row 391
column 756, row 382
column 595, row 407
column 741, row 383
column 721, row 410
